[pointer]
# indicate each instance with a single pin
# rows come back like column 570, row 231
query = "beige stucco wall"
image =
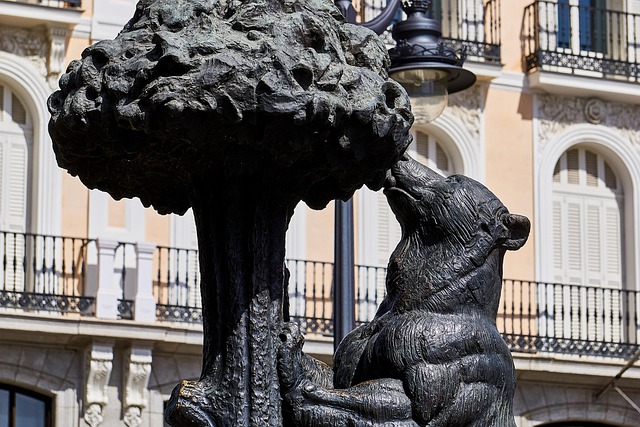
column 509, row 133
column 512, row 13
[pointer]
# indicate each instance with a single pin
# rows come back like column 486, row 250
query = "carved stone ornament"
column 100, row 364
column 595, row 111
column 57, row 52
column 136, row 378
column 466, row 107
column 238, row 109
column 28, row 44
column 557, row 113
column 432, row 355
column 46, row 49
column 93, row 415
column 133, row 416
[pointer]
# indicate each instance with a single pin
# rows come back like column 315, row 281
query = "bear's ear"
column 518, row 233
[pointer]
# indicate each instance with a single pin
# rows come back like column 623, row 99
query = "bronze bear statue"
column 432, row 356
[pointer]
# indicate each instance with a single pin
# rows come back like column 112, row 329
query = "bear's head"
column 454, row 236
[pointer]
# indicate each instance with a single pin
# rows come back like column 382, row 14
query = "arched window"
column 19, row 407
column 429, row 151
column 587, row 220
column 15, row 141
column 16, row 136
column 588, row 301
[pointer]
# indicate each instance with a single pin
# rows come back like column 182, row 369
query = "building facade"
column 99, row 299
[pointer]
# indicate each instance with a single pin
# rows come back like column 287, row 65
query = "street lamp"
column 429, row 71
column 423, row 65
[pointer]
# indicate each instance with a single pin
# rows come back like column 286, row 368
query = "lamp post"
column 429, row 71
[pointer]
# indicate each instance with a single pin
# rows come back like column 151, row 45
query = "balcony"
column 32, row 13
column 50, row 276
column 472, row 25
column 566, row 46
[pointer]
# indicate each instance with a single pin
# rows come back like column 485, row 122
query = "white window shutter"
column 613, row 247
column 16, row 197
column 389, row 230
column 13, row 183
column 592, row 243
column 3, row 182
column 574, row 250
column 422, row 148
column 558, row 252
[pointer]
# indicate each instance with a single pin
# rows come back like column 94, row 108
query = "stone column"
column 108, row 293
column 144, row 301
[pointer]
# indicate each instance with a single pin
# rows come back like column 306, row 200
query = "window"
column 587, row 259
column 430, row 152
column 20, row 407
column 15, row 142
column 592, row 29
column 14, row 152
column 587, row 221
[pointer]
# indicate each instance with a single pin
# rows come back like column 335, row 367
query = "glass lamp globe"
column 427, row 89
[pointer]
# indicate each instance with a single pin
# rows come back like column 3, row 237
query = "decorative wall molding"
column 462, row 125
column 56, row 62
column 45, row 49
column 556, row 114
column 137, row 371
column 100, row 365
column 29, row 44
column 466, row 106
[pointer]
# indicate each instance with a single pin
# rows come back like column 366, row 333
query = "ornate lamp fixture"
column 423, row 65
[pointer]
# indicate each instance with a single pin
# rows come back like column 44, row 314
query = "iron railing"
column 533, row 316
column 60, row 4
column 44, row 273
column 472, row 25
column 177, row 285
column 311, row 294
column 569, row 319
column 49, row 273
column 581, row 40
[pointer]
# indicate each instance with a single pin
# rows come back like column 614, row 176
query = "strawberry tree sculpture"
column 238, row 109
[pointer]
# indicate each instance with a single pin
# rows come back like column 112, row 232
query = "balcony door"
column 16, row 136
column 588, row 254
column 460, row 19
column 582, row 25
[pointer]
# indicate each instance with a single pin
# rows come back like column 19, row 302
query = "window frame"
column 47, row 400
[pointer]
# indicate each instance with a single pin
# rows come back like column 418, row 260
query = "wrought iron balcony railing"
column 569, row 319
column 44, row 273
column 582, row 40
column 472, row 25
column 533, row 316
column 177, row 285
column 61, row 4
column 60, row 274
